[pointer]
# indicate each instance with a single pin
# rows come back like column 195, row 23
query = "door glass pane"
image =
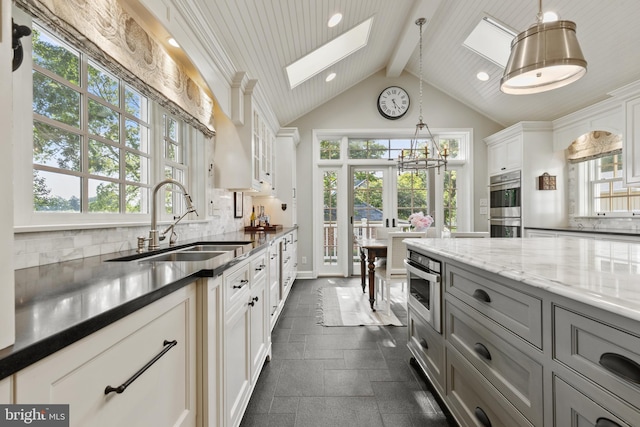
column 330, row 229
column 368, row 211
column 450, row 201
column 412, row 194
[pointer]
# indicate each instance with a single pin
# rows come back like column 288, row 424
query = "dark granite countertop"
column 59, row 304
column 591, row 230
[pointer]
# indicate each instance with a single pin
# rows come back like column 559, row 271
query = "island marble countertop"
column 59, row 304
column 603, row 274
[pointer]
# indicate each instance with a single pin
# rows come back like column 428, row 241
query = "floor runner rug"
column 349, row 306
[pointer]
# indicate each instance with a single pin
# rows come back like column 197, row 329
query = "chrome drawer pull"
column 604, row 422
column 482, row 417
column 482, row 350
column 424, row 344
column 168, row 345
column 481, row 295
column 621, row 366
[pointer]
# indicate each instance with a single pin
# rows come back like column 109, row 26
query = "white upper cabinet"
column 631, row 143
column 505, row 155
column 244, row 145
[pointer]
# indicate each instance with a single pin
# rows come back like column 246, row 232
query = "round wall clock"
column 393, row 102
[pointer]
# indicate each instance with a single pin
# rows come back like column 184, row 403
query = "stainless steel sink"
column 185, row 255
column 238, row 248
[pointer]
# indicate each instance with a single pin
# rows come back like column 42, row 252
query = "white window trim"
column 26, row 220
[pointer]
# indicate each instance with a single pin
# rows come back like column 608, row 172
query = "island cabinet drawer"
column 427, row 346
column 236, row 283
column 474, row 401
column 516, row 374
column 608, row 356
column 259, row 266
column 138, row 371
column 519, row 312
column 572, row 408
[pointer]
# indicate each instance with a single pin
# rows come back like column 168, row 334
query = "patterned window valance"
column 115, row 40
column 593, row 145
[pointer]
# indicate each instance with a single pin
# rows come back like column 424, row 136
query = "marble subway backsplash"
column 32, row 249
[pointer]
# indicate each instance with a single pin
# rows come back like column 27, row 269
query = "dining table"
column 370, row 250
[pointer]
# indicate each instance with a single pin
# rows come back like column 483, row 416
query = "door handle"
column 387, row 222
column 394, row 222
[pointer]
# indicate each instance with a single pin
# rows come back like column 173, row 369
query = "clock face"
column 393, row 102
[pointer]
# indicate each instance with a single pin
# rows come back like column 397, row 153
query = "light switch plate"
column 483, row 202
column 483, row 210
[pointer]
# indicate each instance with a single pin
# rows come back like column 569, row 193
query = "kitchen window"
column 99, row 143
column 607, row 194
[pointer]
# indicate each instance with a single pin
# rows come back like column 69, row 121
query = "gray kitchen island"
column 536, row 331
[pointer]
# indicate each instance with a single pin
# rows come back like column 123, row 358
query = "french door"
column 372, row 205
column 357, row 201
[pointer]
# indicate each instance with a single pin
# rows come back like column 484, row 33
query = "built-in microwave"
column 425, row 287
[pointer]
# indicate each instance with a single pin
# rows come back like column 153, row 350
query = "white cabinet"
column 5, row 391
column 246, row 339
column 528, row 146
column 631, row 143
column 505, row 156
column 274, row 282
column 209, row 346
column 243, row 150
column 80, row 375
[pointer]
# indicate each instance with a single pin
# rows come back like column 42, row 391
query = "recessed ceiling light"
column 482, row 76
column 334, row 20
column 549, row 17
column 330, row 77
column 173, row 42
column 328, row 54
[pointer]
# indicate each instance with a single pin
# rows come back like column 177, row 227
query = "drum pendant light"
column 546, row 56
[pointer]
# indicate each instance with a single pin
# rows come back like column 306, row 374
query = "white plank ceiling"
column 261, row 37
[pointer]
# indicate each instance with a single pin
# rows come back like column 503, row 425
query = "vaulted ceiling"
column 262, row 37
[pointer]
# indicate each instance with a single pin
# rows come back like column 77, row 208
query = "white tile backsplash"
column 32, row 249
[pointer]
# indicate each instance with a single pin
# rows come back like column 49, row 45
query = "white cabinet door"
column 260, row 326
column 505, row 156
column 237, row 363
column 209, row 346
column 5, row 390
column 79, row 375
column 631, row 144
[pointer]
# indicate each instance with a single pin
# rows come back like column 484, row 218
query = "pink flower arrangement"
column 420, row 220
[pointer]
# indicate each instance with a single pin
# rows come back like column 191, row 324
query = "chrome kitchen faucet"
column 154, row 238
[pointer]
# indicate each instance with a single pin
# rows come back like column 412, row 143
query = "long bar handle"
column 168, row 345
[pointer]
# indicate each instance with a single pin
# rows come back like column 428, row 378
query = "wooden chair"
column 394, row 270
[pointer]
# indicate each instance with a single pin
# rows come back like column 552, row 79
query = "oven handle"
column 507, row 185
column 422, row 273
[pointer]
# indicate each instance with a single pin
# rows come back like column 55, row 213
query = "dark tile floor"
column 338, row 376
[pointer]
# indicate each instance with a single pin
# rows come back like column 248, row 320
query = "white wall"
column 7, row 308
column 356, row 109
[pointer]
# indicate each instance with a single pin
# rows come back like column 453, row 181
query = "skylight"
column 491, row 40
column 328, row 54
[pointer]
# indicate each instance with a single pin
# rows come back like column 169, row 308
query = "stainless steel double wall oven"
column 505, row 209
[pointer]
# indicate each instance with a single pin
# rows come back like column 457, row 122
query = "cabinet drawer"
column 519, row 312
column 472, row 397
column 427, row 346
column 259, row 265
column 514, row 373
column 163, row 395
column 573, row 409
column 236, row 284
column 608, row 356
